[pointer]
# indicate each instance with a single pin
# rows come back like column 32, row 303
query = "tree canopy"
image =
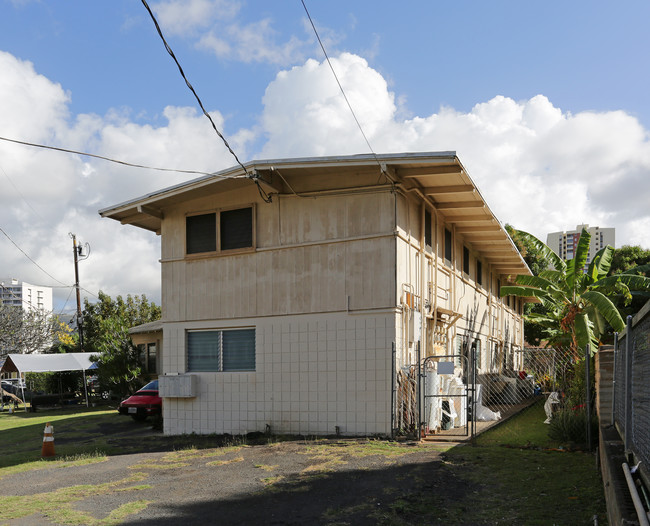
column 26, row 331
column 106, row 325
column 628, row 257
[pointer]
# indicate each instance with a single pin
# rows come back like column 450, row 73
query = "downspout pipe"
column 638, row 505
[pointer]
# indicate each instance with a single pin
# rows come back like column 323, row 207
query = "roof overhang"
column 438, row 177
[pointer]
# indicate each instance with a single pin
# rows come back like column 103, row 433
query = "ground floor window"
column 147, row 355
column 221, row 350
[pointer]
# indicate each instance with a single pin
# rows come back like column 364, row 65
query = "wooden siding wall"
column 325, row 254
column 485, row 316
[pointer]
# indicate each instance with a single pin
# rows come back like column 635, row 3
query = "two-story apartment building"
column 285, row 289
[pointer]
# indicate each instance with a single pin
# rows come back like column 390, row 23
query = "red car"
column 143, row 403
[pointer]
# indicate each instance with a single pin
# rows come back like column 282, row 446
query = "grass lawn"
column 76, row 434
column 514, row 474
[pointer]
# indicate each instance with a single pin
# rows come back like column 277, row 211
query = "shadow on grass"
column 512, row 475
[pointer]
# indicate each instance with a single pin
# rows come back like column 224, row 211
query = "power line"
column 180, row 69
column 34, row 262
column 20, row 194
column 66, row 301
column 329, row 62
column 266, row 197
column 109, row 159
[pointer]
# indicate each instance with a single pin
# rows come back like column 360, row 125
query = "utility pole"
column 76, row 250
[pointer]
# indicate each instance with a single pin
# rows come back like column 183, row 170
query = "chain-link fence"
column 632, row 389
column 449, row 394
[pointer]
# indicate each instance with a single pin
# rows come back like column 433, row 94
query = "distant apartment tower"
column 22, row 294
column 565, row 244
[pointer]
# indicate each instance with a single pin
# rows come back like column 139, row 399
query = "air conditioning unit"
column 178, row 385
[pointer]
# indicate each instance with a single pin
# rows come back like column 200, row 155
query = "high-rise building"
column 565, row 244
column 25, row 295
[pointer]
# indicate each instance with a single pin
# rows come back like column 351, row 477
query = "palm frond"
column 633, row 281
column 525, row 292
column 601, row 263
column 605, row 308
column 582, row 251
column 641, row 269
column 556, row 276
column 537, row 282
column 571, row 276
column 585, row 334
column 545, row 251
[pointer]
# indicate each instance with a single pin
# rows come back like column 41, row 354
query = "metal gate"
column 437, row 395
column 448, row 388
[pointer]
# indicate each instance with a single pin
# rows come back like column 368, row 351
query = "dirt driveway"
column 330, row 481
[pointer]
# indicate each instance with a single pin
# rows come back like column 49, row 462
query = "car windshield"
column 151, row 386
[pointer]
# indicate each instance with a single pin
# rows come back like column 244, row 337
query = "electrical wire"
column 109, row 159
column 21, row 194
column 329, row 62
column 265, row 196
column 191, row 88
column 27, row 256
column 66, row 301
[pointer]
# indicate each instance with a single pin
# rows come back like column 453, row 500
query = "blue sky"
column 581, row 55
column 541, row 101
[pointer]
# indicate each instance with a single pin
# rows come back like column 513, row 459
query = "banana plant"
column 576, row 297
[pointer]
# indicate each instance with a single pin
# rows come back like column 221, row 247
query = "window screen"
column 231, row 350
column 448, row 245
column 236, row 228
column 238, row 350
column 201, row 233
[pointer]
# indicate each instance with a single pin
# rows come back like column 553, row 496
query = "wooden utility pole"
column 76, row 250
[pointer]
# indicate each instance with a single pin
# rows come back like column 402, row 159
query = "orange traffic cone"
column 48, row 441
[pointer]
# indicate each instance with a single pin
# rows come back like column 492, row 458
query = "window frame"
column 428, row 230
column 220, row 358
column 466, row 260
column 218, row 234
column 448, row 248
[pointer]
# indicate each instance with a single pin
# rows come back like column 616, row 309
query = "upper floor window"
column 466, row 260
column 235, row 228
column 428, row 238
column 201, row 233
column 448, row 245
column 479, row 272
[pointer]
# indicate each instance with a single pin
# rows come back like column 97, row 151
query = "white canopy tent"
column 43, row 363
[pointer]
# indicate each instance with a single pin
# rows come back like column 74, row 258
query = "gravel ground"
column 285, row 483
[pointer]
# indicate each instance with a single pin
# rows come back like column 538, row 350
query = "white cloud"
column 216, row 26
column 188, row 16
column 46, row 194
column 305, row 113
column 254, row 42
column 540, row 168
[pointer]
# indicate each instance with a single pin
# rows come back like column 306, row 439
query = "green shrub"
column 569, row 426
column 576, row 390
